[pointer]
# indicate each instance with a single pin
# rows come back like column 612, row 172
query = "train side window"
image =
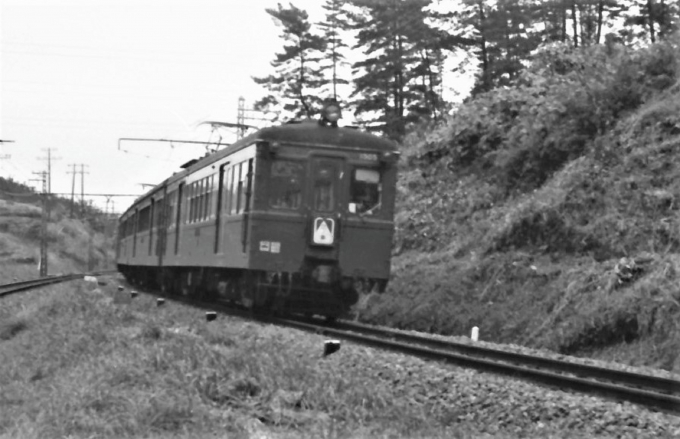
column 199, row 200
column 208, row 198
column 144, row 219
column 190, row 203
column 286, row 184
column 241, row 187
column 365, row 191
column 235, row 187
column 172, row 204
column 226, row 190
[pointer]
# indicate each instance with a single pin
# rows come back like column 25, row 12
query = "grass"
column 74, row 364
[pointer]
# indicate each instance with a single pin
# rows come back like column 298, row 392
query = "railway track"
column 650, row 391
column 17, row 287
column 654, row 392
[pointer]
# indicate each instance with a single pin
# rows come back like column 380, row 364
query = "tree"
column 298, row 73
column 396, row 83
column 336, row 21
column 650, row 20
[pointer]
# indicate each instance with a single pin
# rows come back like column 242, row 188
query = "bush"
column 566, row 99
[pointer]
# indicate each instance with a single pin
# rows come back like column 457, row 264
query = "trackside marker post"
column 475, row 333
column 330, row 346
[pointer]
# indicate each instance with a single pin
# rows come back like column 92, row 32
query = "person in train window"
column 365, row 191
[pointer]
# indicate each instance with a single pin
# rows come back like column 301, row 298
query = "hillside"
column 546, row 213
column 74, row 244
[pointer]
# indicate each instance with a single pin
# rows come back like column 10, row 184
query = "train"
column 294, row 218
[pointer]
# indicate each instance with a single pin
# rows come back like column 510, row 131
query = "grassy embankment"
column 514, row 214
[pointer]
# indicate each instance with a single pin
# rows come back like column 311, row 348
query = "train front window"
column 286, row 184
column 365, row 191
column 324, row 178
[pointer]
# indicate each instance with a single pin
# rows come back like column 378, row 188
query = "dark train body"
column 297, row 217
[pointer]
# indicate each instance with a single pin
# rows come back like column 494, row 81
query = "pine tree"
column 397, row 82
column 336, row 22
column 650, row 20
column 295, row 85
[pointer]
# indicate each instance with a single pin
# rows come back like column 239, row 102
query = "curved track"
column 651, row 391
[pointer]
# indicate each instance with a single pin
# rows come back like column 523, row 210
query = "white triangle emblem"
column 323, row 231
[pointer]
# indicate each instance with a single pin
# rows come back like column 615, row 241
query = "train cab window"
column 324, row 179
column 286, row 184
column 365, row 191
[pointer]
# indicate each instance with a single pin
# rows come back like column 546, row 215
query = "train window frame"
column 299, row 195
column 357, row 204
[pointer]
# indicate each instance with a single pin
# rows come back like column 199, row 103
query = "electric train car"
column 293, row 218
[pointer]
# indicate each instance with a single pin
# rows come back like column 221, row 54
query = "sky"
column 77, row 75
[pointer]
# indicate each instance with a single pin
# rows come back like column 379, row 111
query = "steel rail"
column 659, row 384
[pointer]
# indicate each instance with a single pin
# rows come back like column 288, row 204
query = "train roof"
column 304, row 132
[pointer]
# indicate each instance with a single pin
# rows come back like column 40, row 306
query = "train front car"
column 322, row 223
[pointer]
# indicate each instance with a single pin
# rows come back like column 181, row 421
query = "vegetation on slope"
column 74, row 244
column 515, row 214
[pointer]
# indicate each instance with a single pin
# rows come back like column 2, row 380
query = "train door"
column 326, row 202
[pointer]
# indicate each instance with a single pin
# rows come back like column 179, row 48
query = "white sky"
column 77, row 75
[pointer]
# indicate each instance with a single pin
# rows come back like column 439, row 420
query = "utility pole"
column 49, row 159
column 73, row 187
column 43, row 224
column 90, row 259
column 82, row 188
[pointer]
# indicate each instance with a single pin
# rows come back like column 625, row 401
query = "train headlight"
column 331, row 113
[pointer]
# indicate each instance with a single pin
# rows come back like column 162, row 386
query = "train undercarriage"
column 261, row 291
